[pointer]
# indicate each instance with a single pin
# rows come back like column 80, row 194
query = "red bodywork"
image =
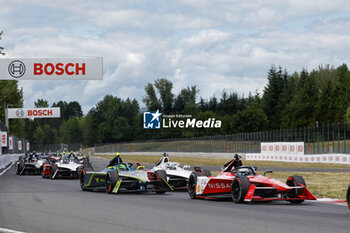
column 47, row 166
column 262, row 188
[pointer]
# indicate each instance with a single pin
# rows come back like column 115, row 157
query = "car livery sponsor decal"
column 202, row 182
column 219, row 185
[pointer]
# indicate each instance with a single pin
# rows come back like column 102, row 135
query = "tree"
column 44, row 135
column 112, row 119
column 151, row 99
column 271, row 98
column 166, row 98
column 301, row 110
column 186, row 97
column 70, row 131
column 12, row 96
column 164, row 88
column 41, row 103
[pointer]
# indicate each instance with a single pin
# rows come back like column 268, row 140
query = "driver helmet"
column 117, row 154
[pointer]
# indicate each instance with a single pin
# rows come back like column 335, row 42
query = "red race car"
column 243, row 183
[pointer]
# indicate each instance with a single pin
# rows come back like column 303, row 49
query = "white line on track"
column 4, row 230
column 4, row 172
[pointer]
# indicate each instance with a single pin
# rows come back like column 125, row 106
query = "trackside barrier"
column 6, row 159
column 316, row 158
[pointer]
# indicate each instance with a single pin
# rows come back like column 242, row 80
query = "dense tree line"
column 287, row 101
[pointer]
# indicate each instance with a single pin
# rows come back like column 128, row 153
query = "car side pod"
column 348, row 197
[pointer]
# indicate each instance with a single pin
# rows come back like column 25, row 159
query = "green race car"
column 123, row 177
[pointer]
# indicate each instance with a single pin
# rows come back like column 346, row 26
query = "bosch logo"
column 20, row 113
column 17, row 69
column 59, row 69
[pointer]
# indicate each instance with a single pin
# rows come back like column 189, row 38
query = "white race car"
column 177, row 176
column 64, row 168
column 30, row 164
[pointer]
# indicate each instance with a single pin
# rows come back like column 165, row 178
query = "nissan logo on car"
column 17, row 69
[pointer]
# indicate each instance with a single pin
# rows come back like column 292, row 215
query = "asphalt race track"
column 34, row 204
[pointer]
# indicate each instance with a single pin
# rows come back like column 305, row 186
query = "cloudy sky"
column 216, row 45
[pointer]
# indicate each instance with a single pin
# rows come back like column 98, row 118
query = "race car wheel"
column 348, row 197
column 53, row 171
column 82, row 180
column 295, row 181
column 206, row 173
column 21, row 167
column 240, row 187
column 159, row 175
column 192, row 184
column 111, row 180
column 18, row 170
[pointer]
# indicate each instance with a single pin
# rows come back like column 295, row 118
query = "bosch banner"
column 19, row 145
column 10, row 143
column 27, row 146
column 51, row 68
column 15, row 113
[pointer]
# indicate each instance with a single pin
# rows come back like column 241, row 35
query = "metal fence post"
column 344, row 138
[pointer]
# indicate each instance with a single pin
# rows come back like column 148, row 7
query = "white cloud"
column 216, row 45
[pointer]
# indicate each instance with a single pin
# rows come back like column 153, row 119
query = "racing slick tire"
column 111, row 180
column 18, row 170
column 82, row 180
column 206, row 173
column 296, row 181
column 53, row 171
column 21, row 166
column 159, row 175
column 348, row 197
column 240, row 187
column 192, row 184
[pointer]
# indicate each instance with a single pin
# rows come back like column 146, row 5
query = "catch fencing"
column 11, row 144
column 319, row 139
column 57, row 147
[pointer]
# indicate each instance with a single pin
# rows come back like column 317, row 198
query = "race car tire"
column 18, row 170
column 21, row 167
column 240, row 187
column 295, row 181
column 348, row 197
column 192, row 184
column 82, row 180
column 111, row 180
column 53, row 170
column 159, row 175
column 206, row 173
